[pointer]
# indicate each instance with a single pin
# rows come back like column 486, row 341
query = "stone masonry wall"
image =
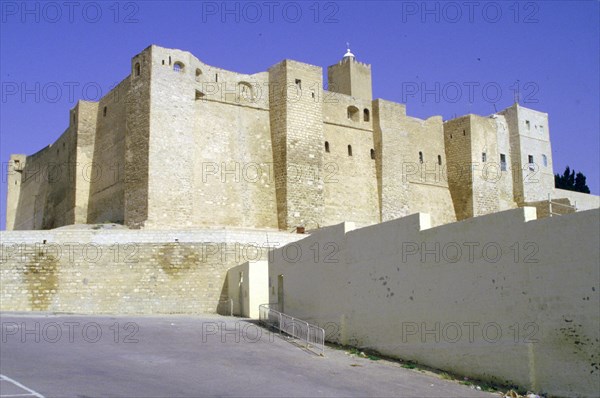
column 125, row 271
column 107, row 188
column 297, row 125
column 457, row 135
column 349, row 175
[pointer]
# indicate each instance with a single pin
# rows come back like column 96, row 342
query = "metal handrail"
column 312, row 335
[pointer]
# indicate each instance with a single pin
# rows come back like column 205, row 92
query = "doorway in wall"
column 280, row 292
column 241, row 293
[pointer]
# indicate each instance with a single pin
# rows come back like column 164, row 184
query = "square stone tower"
column 529, row 135
column 350, row 77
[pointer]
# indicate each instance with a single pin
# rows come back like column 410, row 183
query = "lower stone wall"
column 125, row 271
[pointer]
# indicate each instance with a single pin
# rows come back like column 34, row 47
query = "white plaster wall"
column 252, row 290
column 582, row 201
column 528, row 317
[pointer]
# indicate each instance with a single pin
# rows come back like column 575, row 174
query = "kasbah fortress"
column 192, row 189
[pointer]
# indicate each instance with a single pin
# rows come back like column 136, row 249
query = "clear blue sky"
column 53, row 54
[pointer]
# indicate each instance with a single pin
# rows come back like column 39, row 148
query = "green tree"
column 571, row 181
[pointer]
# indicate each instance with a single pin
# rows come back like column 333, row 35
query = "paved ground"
column 182, row 356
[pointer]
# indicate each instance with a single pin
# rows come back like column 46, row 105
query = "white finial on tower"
column 348, row 52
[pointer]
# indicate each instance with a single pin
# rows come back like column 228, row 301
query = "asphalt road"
column 184, row 356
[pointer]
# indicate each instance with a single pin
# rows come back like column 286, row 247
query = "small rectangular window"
column 299, row 83
column 483, row 157
column 530, row 161
column 502, row 162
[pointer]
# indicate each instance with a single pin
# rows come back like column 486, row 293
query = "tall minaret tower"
column 350, row 77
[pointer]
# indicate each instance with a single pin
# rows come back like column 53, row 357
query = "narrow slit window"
column 483, row 157
column 137, row 68
column 545, row 160
column 349, row 150
column 366, row 116
column 420, row 157
column 440, row 160
column 502, row 162
column 104, row 111
column 327, row 146
column 373, row 154
column 299, row 84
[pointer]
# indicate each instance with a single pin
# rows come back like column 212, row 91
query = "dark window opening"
column 327, row 146
column 440, row 160
column 483, row 157
column 216, row 77
column 104, row 111
column 138, row 69
column 530, row 161
column 464, row 132
column 349, row 150
column 299, row 84
column 420, row 157
column 502, row 162
column 366, row 115
column 373, row 154
column 178, row 67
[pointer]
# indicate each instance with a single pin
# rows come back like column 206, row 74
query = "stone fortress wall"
column 121, row 271
column 182, row 144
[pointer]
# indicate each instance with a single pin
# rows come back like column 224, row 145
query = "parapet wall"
column 503, row 297
column 125, row 271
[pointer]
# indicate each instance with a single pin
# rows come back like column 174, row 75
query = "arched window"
column 349, row 150
column 440, row 160
column 137, row 69
column 353, row 113
column 372, row 153
column 198, row 74
column 366, row 117
column 178, row 66
column 327, row 146
column 420, row 157
column 246, row 92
